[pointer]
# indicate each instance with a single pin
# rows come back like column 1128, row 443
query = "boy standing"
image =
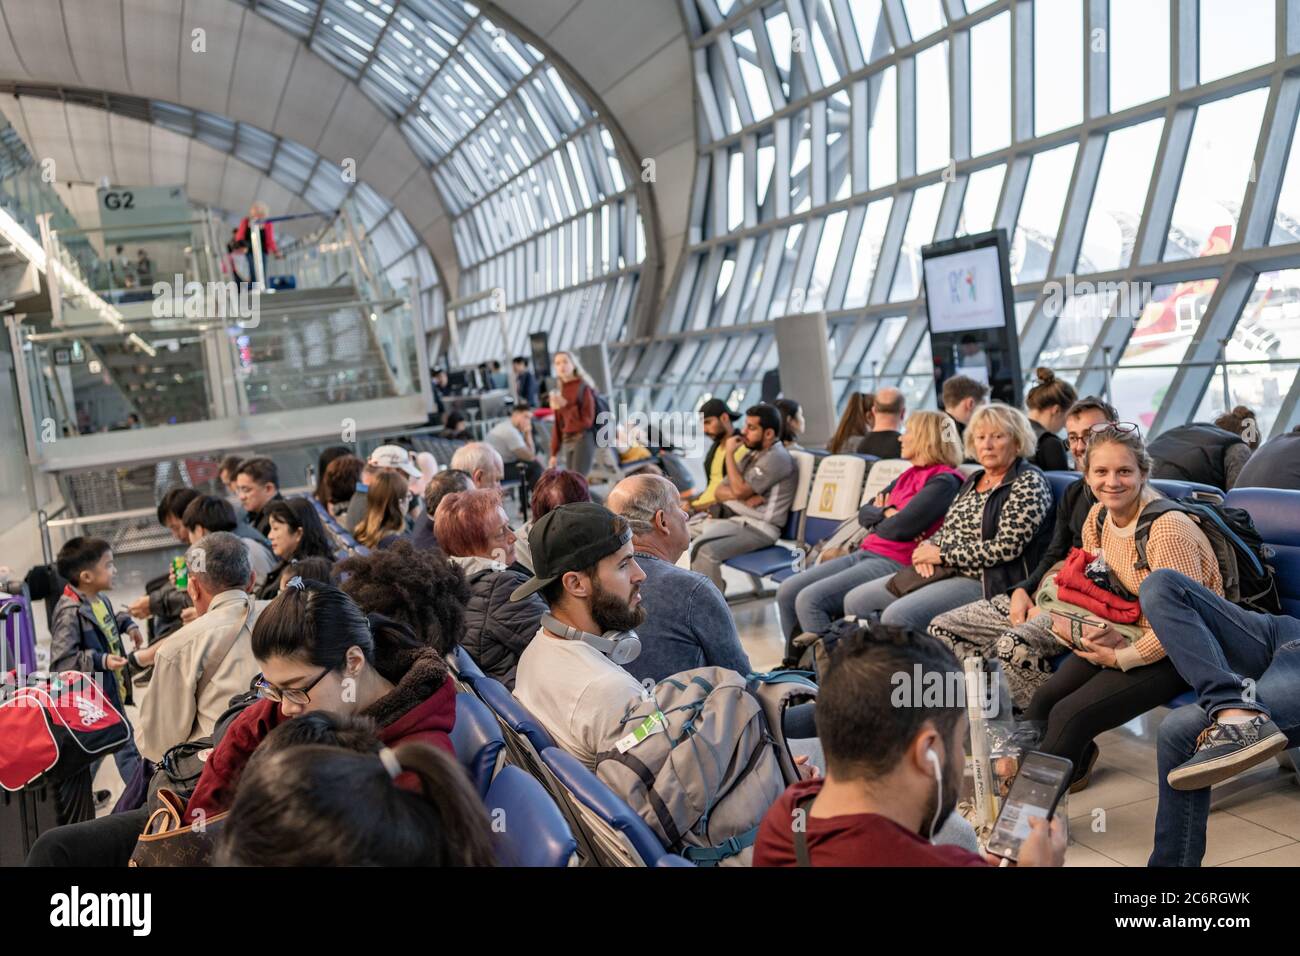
column 87, row 636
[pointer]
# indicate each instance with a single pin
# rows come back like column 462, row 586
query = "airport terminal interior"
column 650, row 433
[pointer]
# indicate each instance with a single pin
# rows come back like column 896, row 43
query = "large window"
column 1113, row 183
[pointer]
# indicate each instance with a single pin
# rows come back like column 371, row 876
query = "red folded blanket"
column 1074, row 586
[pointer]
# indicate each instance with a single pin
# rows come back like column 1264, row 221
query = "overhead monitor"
column 971, row 313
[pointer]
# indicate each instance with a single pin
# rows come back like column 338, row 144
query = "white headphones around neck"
column 621, row 647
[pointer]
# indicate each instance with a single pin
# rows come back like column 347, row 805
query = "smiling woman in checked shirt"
column 1112, row 681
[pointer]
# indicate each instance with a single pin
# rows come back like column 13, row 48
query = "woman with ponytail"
column 319, row 652
column 316, row 805
column 1047, row 403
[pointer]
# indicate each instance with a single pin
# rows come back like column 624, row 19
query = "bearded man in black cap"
column 570, row 675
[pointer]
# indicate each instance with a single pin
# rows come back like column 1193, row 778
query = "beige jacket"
column 171, row 713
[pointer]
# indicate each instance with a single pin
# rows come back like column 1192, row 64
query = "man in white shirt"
column 567, row 675
column 205, row 663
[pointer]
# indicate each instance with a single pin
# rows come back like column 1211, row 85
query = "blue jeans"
column 813, row 600
column 1217, row 647
column 915, row 610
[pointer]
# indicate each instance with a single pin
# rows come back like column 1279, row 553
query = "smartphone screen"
column 1034, row 793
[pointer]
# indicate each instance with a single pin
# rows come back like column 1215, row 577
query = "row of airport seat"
column 548, row 809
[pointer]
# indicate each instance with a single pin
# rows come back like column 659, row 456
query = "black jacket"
column 914, row 519
column 1275, row 464
column 1195, row 452
column 497, row 629
column 1071, row 515
column 1052, row 454
column 1005, row 577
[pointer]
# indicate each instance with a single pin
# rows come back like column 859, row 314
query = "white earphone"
column 938, row 785
column 621, row 647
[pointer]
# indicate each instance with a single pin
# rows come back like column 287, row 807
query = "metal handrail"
column 139, row 512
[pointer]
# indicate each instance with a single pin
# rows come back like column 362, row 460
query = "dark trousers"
column 1082, row 700
column 105, row 841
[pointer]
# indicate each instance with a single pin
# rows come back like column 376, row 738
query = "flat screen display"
column 964, row 290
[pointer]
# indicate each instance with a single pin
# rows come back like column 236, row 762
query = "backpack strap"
column 222, row 650
column 801, row 854
column 713, row 855
column 1152, row 511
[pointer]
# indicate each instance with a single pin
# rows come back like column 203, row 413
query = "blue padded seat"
column 514, row 714
column 672, row 859
column 1061, row 480
column 1173, row 488
column 468, row 671
column 535, row 831
column 477, row 739
column 1276, row 513
column 604, row 804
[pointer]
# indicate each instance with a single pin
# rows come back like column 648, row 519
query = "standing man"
column 888, row 410
column 526, row 388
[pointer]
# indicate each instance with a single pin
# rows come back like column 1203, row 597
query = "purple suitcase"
column 18, row 649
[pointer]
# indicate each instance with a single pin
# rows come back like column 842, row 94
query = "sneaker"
column 1083, row 776
column 1224, row 750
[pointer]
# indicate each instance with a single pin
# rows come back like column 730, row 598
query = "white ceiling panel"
column 168, row 156
column 130, row 150
column 155, row 53
column 354, row 127
column 93, row 144
column 240, row 186
column 42, row 44
column 419, row 202
column 309, row 99
column 47, row 128
column 95, row 29
column 266, row 54
column 390, row 164
column 628, row 30
column 205, row 79
column 207, row 167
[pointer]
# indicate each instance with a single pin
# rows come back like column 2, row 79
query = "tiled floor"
column 1112, row 822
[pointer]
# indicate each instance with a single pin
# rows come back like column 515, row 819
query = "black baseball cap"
column 571, row 538
column 715, row 407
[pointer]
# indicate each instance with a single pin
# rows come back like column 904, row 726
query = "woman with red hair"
column 556, row 486
column 474, row 531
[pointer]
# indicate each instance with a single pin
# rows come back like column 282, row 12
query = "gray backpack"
column 699, row 761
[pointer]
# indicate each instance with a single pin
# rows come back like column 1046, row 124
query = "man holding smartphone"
column 893, row 766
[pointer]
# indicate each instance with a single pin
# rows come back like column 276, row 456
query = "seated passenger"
column 717, row 423
column 318, row 651
column 557, row 486
column 1047, row 403
column 893, row 774
column 1008, row 627
column 1276, row 464
column 474, row 531
column 755, row 497
column 342, row 479
column 993, row 534
column 316, row 805
column 384, row 460
column 584, row 568
column 1210, row 454
column 909, row 508
column 257, row 484
column 961, row 395
column 482, row 462
column 385, row 519
column 163, row 602
column 1245, row 669
column 513, row 440
column 854, row 424
column 296, row 533
column 420, row 589
column 208, row 513
column 888, row 409
column 446, row 482
column 1116, row 678
column 688, row 623
column 327, row 457
column 792, row 423
column 207, row 661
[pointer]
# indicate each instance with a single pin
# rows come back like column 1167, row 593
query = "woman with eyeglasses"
column 474, row 532
column 319, row 652
column 296, row 533
column 1005, row 627
column 1115, row 677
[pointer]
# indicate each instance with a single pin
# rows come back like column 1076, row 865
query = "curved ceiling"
column 246, row 67
column 223, row 165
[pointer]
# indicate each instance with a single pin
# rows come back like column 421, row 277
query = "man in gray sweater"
column 688, row 623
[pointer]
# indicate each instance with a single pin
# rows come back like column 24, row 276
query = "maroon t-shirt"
column 855, row 839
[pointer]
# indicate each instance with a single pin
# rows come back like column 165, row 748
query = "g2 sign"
column 115, row 199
